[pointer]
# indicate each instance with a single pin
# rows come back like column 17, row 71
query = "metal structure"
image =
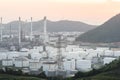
column 59, row 57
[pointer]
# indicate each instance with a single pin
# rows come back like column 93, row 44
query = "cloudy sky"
column 88, row 11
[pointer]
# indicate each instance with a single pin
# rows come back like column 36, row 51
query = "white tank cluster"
column 74, row 58
column 53, row 61
column 7, row 62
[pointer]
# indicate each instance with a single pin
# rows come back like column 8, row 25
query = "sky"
column 94, row 12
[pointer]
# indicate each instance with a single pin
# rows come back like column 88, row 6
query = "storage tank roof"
column 21, row 59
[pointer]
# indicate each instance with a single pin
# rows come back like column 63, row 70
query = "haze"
column 88, row 11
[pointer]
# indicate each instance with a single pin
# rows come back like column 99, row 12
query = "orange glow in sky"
column 88, row 11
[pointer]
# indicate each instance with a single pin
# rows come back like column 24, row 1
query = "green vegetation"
column 12, row 77
column 11, row 74
column 108, row 72
column 106, row 33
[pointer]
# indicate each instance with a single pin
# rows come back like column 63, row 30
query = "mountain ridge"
column 105, row 33
column 52, row 26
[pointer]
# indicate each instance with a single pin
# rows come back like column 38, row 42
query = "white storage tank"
column 25, row 63
column 62, row 49
column 24, row 54
column 40, row 48
column 82, row 54
column 49, row 48
column 52, row 54
column 49, row 66
column 69, row 64
column 24, row 50
column 73, row 64
column 91, row 53
column 18, row 64
column 3, row 56
column 36, row 56
column 109, row 53
column 45, row 67
column 83, row 65
column 107, row 60
column 12, row 55
column 102, row 48
column 77, row 49
column 21, row 62
column 89, row 56
column 54, row 67
column 7, row 62
column 70, row 48
column 34, row 50
column 35, row 65
column 117, row 53
column 99, row 52
column 73, row 55
column 44, row 54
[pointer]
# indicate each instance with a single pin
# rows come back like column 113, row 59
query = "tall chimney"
column 45, row 30
column 1, row 32
column 19, row 31
column 10, row 32
column 31, row 30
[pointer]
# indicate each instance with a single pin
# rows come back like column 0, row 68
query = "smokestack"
column 19, row 31
column 45, row 30
column 31, row 30
column 10, row 32
column 1, row 30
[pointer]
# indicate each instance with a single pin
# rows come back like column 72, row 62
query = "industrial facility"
column 52, row 53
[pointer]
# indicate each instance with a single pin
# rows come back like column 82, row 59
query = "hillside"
column 108, row 72
column 12, row 77
column 52, row 26
column 108, row 32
